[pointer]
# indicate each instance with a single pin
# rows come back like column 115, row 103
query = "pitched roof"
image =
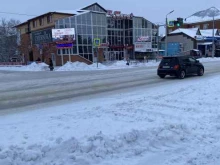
column 54, row 12
column 189, row 32
column 84, row 8
column 208, row 32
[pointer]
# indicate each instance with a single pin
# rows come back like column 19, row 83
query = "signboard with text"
column 43, row 36
column 143, row 46
column 66, row 35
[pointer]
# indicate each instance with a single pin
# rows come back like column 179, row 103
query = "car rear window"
column 169, row 61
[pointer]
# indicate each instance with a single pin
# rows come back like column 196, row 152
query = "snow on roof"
column 76, row 12
column 208, row 32
column 190, row 32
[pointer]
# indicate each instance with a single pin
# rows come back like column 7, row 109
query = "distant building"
column 99, row 34
column 185, row 39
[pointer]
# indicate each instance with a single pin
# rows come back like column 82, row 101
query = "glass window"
column 86, row 56
column 85, row 49
column 67, row 51
column 80, row 49
column 79, row 19
column 84, row 31
column 89, row 49
column 90, row 40
column 79, row 29
column 63, row 51
column 58, row 51
column 67, row 25
column 85, row 41
column 74, row 50
column 79, row 39
column 61, row 26
column 72, row 20
column 90, row 57
column 89, row 30
column 95, row 30
column 67, row 20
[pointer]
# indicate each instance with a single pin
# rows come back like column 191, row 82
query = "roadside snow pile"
column 32, row 67
column 36, row 67
column 132, row 64
column 95, row 149
column 209, row 59
column 80, row 66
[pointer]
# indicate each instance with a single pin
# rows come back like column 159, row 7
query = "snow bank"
column 80, row 66
column 209, row 59
column 31, row 67
column 36, row 67
column 95, row 149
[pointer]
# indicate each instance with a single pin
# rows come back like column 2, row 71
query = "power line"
column 2, row 12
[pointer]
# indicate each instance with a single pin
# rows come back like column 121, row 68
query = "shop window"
column 49, row 18
column 59, row 52
column 34, row 24
column 41, row 21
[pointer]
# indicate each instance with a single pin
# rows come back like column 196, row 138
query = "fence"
column 11, row 64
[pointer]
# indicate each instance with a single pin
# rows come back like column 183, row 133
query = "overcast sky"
column 153, row 10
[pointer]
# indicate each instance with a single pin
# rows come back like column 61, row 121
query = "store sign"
column 143, row 46
column 104, row 45
column 64, row 45
column 63, row 35
column 144, row 39
column 43, row 36
column 118, row 15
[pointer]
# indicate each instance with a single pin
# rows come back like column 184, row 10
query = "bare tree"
column 8, row 39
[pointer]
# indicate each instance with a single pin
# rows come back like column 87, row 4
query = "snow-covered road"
column 174, row 122
column 20, row 89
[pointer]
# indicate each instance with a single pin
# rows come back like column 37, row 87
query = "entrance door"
column 31, row 56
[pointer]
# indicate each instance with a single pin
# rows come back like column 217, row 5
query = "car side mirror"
column 197, row 61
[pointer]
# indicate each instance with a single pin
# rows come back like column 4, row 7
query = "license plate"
column 166, row 67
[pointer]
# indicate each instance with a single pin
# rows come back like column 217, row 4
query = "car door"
column 187, row 65
column 193, row 65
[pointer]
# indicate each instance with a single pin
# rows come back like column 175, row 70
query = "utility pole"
column 167, row 32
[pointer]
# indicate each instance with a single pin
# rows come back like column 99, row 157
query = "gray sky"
column 154, row 10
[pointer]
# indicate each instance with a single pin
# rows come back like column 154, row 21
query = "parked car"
column 179, row 66
column 195, row 53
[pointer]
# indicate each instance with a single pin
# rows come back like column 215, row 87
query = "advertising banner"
column 143, row 46
column 66, row 35
column 144, row 39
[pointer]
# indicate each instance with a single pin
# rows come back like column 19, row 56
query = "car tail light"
column 159, row 67
column 176, row 67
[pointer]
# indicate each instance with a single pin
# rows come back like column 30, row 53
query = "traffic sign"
column 97, row 42
column 171, row 24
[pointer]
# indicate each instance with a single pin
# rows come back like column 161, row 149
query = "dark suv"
column 179, row 66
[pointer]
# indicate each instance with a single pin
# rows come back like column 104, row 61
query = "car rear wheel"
column 182, row 74
column 200, row 72
column 162, row 76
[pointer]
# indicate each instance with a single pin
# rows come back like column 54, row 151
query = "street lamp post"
column 166, row 33
column 213, row 35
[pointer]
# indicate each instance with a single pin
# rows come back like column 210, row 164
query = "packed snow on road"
column 164, row 125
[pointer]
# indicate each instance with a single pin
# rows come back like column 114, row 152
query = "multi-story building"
column 35, row 35
column 119, row 35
